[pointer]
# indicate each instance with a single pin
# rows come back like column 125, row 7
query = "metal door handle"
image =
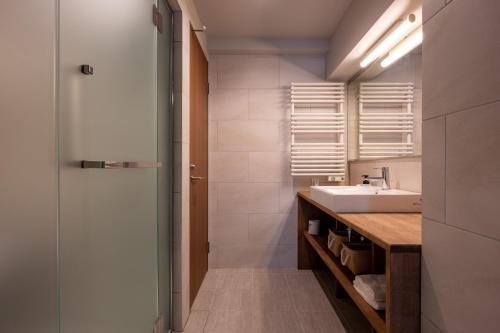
column 119, row 165
column 196, row 178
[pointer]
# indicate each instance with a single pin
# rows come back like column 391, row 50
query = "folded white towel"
column 373, row 303
column 371, row 278
column 373, row 286
column 377, row 295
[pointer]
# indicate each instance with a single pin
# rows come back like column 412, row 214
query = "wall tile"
column 288, row 198
column 212, row 197
column 268, row 104
column 212, row 75
column 262, row 143
column 288, row 193
column 269, row 166
column 238, row 135
column 268, row 229
column 212, row 136
column 460, row 61
column 417, row 122
column 433, row 169
column 234, row 256
column 428, row 326
column 301, row 68
column 460, row 279
column 272, row 256
column 473, row 170
column 418, row 70
column 228, row 167
column 287, row 256
column 228, row 229
column 257, row 256
column 212, row 257
column 228, row 104
column 431, row 7
column 285, row 136
column 405, row 173
column 247, row 71
column 248, row 197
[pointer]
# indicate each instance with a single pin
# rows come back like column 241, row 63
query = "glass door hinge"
column 157, row 19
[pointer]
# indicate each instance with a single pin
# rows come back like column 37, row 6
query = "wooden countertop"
column 386, row 229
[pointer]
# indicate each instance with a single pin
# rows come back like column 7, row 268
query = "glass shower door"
column 108, row 235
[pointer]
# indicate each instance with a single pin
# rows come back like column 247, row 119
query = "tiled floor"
column 262, row 300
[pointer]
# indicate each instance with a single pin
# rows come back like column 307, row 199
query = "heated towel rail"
column 385, row 119
column 318, row 129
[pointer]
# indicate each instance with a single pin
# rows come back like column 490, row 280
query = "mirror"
column 405, row 70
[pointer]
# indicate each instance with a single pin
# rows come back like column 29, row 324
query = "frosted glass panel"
column 108, row 218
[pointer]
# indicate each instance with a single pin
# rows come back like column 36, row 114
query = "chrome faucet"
column 386, row 183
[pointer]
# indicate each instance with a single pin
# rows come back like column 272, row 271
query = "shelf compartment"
column 346, row 278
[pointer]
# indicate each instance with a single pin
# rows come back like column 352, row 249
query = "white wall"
column 251, row 193
column 461, row 163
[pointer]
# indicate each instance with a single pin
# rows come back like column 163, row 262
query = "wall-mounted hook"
column 87, row 69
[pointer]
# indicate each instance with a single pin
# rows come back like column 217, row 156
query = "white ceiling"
column 271, row 18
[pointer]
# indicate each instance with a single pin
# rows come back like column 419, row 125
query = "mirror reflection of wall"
column 407, row 69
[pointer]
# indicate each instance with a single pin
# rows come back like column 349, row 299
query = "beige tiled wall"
column 461, row 164
column 252, row 220
column 405, row 172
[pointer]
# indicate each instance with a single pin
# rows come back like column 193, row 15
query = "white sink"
column 366, row 199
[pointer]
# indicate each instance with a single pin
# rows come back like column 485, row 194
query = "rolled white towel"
column 373, row 285
column 377, row 305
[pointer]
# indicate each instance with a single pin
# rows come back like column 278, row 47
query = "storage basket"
column 335, row 240
column 356, row 257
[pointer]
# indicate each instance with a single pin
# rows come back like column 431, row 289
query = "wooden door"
column 199, row 166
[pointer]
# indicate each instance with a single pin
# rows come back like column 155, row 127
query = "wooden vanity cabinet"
column 395, row 252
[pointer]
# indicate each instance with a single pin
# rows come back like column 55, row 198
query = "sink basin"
column 366, row 199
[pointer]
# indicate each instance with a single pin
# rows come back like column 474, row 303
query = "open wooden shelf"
column 396, row 247
column 346, row 278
